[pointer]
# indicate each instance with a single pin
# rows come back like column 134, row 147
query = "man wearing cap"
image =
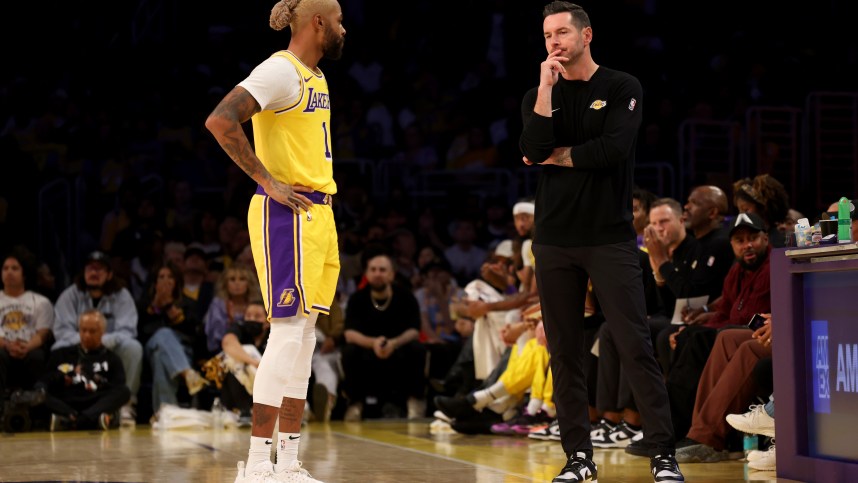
column 745, row 293
column 96, row 288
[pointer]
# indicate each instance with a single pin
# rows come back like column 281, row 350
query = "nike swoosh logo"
column 293, row 438
column 308, row 79
column 268, row 442
column 555, row 110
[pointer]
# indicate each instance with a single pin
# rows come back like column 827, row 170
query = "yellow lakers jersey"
column 294, row 143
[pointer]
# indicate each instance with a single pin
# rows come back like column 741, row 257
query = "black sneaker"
column 578, row 468
column 455, row 407
column 638, row 447
column 665, row 468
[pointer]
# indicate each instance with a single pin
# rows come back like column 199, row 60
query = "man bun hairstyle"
column 282, row 14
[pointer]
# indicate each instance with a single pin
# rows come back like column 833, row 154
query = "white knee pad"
column 285, row 367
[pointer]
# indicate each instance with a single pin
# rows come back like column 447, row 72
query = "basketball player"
column 293, row 235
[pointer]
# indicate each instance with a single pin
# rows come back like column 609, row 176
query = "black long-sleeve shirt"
column 591, row 203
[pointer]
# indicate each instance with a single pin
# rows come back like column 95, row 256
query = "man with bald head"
column 290, row 220
column 704, row 219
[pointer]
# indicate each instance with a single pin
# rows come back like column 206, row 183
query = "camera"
column 16, row 418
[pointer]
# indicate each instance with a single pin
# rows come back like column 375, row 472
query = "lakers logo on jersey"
column 14, row 321
column 317, row 100
column 287, row 298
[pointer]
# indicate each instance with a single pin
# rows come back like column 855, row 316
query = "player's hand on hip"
column 290, row 195
column 551, row 68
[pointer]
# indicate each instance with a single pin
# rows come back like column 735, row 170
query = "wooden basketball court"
column 371, row 451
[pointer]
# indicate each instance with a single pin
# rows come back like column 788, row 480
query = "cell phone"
column 756, row 322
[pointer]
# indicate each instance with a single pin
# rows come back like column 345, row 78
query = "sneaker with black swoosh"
column 579, row 468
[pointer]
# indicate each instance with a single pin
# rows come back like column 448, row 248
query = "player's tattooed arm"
column 225, row 123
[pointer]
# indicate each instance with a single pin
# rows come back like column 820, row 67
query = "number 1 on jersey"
column 327, row 147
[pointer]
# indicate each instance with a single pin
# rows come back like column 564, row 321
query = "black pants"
column 693, row 346
column 394, row 379
column 88, row 409
column 234, row 395
column 561, row 276
column 21, row 373
column 613, row 392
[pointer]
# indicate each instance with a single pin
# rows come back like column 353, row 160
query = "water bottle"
column 217, row 413
column 749, row 443
column 844, row 221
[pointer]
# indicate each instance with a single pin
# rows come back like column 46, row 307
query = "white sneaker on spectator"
column 416, row 408
column 765, row 462
column 755, row 421
column 127, row 416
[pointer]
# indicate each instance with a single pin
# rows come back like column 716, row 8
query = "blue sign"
column 822, row 386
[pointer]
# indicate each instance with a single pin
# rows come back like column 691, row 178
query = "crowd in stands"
column 437, row 312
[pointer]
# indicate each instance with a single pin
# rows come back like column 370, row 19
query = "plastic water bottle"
column 217, row 413
column 749, row 443
column 844, row 221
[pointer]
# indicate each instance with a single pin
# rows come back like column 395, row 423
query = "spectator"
column 465, row 258
column 26, row 319
column 327, row 362
column 97, row 288
column 236, row 288
column 169, row 330
column 726, row 386
column 85, row 383
column 642, row 200
column 767, row 197
column 746, row 292
column 195, row 283
column 234, row 369
column 382, row 357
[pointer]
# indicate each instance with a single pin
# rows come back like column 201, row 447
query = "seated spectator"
column 526, row 371
column 84, row 385
column 464, row 256
column 237, row 287
column 26, row 319
column 169, row 330
column 327, row 362
column 765, row 196
column 195, row 283
column 97, row 288
column 726, row 386
column 234, row 369
column 746, row 292
column 382, row 358
column 437, row 328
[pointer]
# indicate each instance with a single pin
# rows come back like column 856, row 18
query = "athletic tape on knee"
column 278, row 360
column 299, row 378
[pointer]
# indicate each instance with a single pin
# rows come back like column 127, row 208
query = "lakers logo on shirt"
column 597, row 104
column 287, row 298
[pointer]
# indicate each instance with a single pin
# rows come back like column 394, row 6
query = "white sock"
column 484, row 397
column 287, row 450
column 260, row 451
column 533, row 406
column 550, row 410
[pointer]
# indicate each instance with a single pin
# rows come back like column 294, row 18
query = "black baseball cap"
column 98, row 256
column 751, row 221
